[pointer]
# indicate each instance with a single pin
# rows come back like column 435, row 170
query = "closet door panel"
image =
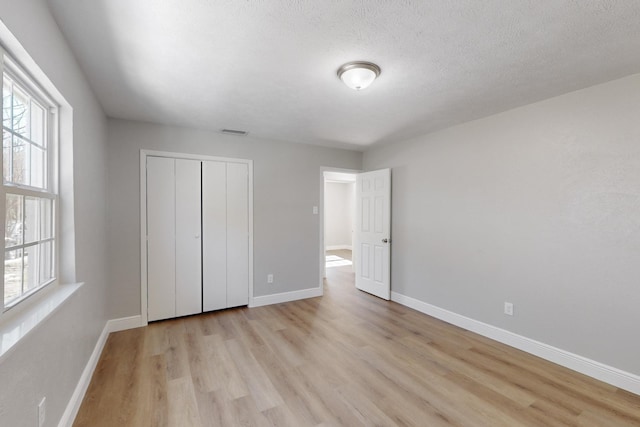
column 161, row 238
column 237, row 234
column 188, row 238
column 214, row 234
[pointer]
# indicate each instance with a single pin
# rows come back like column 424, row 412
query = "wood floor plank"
column 182, row 404
column 334, row 411
column 261, row 389
column 281, row 340
column 346, row 359
column 246, row 413
column 151, row 403
column 176, row 354
column 215, row 409
column 367, row 412
column 281, row 416
column 225, row 373
column 201, row 362
column 156, row 339
column 288, row 384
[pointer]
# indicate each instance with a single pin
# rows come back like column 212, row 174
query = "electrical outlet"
column 508, row 308
column 269, row 278
column 42, row 406
column 315, row 210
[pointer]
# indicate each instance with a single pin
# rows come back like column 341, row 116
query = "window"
column 29, row 129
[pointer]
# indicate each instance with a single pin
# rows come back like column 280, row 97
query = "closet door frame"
column 143, row 217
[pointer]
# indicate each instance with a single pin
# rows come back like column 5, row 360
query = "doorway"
column 338, row 222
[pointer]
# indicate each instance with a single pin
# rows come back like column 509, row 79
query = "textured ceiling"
column 269, row 66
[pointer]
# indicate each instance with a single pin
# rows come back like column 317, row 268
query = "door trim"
column 143, row 216
column 322, row 260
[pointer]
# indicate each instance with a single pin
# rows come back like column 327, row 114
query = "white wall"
column 539, row 206
column 286, row 187
column 338, row 214
column 49, row 361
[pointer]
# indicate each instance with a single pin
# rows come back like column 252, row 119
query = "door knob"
column 385, row 240
column 197, row 236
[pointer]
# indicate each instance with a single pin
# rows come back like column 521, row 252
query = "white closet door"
column 237, row 234
column 161, row 238
column 214, row 234
column 188, row 292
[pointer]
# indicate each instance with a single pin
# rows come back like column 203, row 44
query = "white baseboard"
column 73, row 406
column 338, row 247
column 124, row 323
column 113, row 325
column 614, row 376
column 286, row 297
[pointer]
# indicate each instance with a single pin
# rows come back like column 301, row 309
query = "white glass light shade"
column 358, row 75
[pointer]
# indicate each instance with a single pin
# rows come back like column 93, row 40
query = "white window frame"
column 18, row 74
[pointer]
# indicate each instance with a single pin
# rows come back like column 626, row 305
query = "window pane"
column 13, row 221
column 37, row 123
column 20, row 112
column 31, row 265
column 20, row 161
column 6, row 156
column 31, row 219
column 6, row 103
column 38, row 170
column 12, row 275
column 46, row 262
column 24, row 143
column 46, row 218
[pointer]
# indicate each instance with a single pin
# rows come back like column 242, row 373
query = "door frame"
column 143, row 216
column 322, row 261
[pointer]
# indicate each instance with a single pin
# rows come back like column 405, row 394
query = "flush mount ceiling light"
column 358, row 75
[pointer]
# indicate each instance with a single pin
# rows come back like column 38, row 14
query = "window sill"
column 19, row 323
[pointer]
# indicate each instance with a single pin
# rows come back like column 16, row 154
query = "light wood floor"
column 346, row 359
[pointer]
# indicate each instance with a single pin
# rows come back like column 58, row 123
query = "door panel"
column 214, row 233
column 378, row 215
column 364, row 260
column 373, row 232
column 378, row 264
column 364, row 213
column 237, row 234
column 188, row 242
column 160, row 238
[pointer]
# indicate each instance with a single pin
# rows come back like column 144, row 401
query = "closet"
column 197, row 222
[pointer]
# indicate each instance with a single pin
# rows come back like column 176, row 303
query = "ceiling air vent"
column 235, row 132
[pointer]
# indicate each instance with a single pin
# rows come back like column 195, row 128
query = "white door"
column 237, row 234
column 214, row 233
column 188, row 290
column 373, row 233
column 173, row 238
column 225, row 249
column 161, row 235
